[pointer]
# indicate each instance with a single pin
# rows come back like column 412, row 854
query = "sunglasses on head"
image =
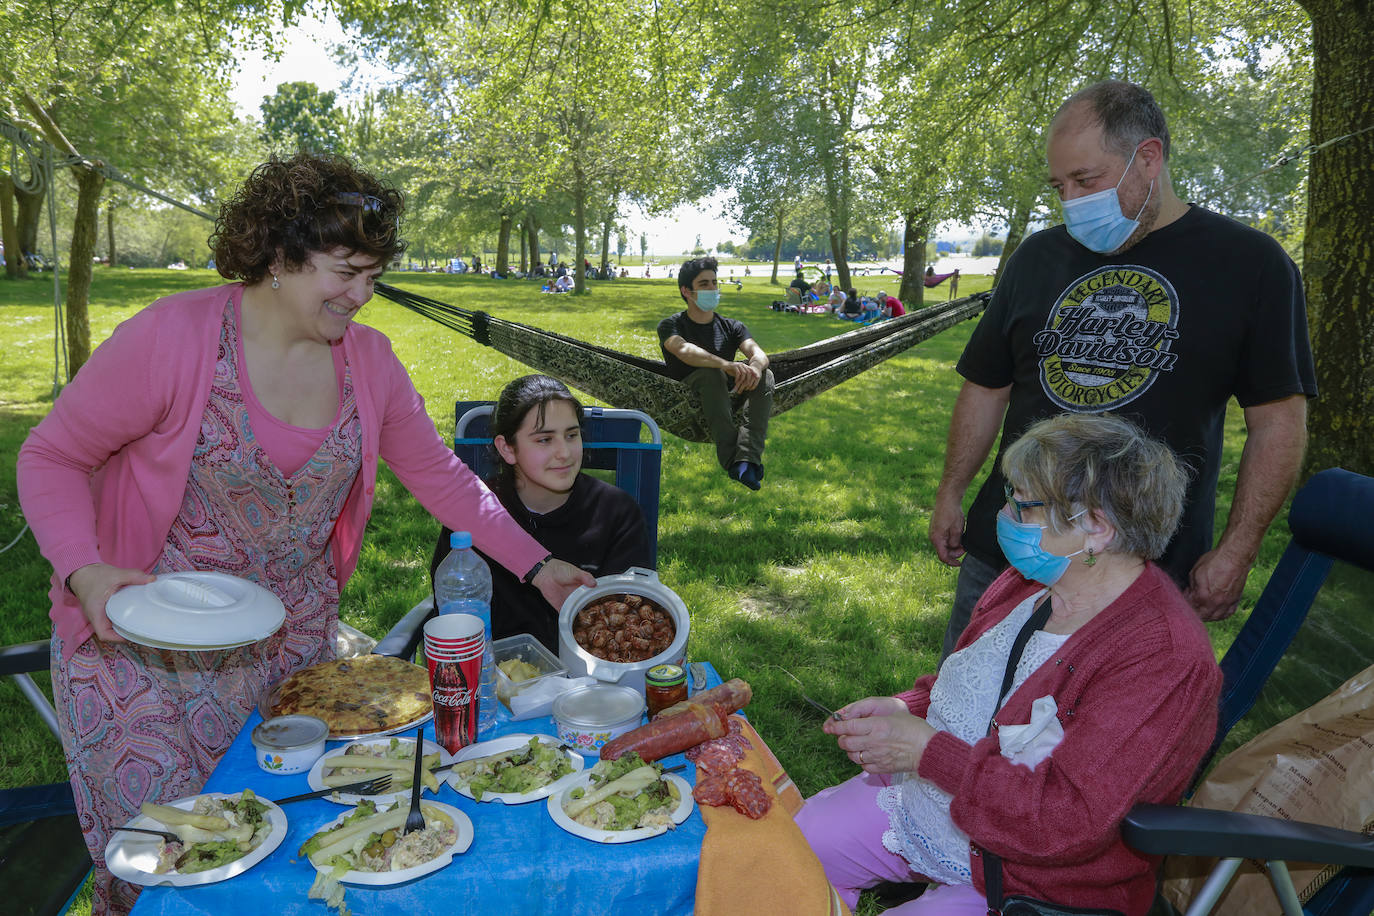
column 1018, row 504
column 368, row 202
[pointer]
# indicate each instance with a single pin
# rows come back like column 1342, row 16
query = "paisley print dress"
column 145, row 724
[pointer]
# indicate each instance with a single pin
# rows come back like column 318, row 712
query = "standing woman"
column 235, row 429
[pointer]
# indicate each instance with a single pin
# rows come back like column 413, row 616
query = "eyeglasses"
column 1017, row 504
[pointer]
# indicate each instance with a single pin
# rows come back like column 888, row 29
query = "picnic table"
column 520, row 861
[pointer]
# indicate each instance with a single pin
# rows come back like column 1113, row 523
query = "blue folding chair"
column 1330, row 522
column 43, row 859
column 611, row 441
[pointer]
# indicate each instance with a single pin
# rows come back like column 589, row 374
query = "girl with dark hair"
column 235, row 429
column 537, row 440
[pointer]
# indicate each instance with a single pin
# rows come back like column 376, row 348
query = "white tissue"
column 1031, row 743
column 537, row 699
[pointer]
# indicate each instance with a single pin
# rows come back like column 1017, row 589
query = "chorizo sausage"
column 747, row 794
column 667, row 734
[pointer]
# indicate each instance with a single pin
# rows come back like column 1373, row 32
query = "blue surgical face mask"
column 1020, row 541
column 708, row 299
column 1096, row 220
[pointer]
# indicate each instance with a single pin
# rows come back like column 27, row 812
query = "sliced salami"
column 747, row 793
column 717, row 757
column 710, row 790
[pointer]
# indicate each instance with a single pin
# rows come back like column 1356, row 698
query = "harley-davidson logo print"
column 1108, row 338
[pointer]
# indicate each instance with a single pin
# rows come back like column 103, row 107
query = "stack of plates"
column 195, row 611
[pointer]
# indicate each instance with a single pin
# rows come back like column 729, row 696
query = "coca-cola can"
column 454, row 690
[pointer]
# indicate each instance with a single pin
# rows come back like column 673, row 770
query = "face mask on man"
column 708, row 299
column 1096, row 220
column 1020, row 541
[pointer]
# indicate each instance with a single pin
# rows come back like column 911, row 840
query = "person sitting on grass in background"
column 802, row 287
column 835, row 301
column 891, row 306
column 869, row 308
column 852, row 308
column 536, row 432
column 699, row 348
column 564, row 284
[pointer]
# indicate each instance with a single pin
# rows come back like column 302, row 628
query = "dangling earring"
column 1090, row 559
column 276, row 284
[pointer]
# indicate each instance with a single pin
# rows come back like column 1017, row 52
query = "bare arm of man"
column 973, row 427
column 1276, row 435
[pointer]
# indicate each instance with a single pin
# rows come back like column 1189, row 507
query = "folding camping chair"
column 43, row 860
column 610, row 442
column 1329, row 521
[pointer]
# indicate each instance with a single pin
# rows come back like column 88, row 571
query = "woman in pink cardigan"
column 1084, row 685
column 235, row 429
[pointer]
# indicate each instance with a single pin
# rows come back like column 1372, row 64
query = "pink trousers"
column 845, row 826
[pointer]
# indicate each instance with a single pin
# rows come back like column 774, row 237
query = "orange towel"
column 763, row 866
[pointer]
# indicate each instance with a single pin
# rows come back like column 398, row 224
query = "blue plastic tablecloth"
column 520, row 861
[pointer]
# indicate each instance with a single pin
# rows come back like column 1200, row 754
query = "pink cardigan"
column 1137, row 691
column 101, row 478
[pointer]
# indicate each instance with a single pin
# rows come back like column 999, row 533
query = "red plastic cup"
column 454, row 690
column 452, row 637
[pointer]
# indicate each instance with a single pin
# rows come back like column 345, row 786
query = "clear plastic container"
column 531, row 651
column 462, row 585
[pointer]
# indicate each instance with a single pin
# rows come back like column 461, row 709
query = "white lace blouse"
column 962, row 702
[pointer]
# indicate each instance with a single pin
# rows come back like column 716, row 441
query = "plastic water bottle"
column 462, row 585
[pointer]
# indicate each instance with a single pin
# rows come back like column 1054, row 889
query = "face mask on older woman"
column 1020, row 541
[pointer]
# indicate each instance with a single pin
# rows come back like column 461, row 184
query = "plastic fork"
column 378, row 785
column 165, row 834
column 415, row 820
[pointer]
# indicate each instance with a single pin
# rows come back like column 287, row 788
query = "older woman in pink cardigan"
column 235, row 429
column 1084, row 685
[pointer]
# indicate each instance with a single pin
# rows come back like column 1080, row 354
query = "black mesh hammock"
column 634, row 382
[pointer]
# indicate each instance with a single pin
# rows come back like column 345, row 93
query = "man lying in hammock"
column 699, row 348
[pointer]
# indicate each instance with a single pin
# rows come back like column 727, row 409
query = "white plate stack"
column 195, row 611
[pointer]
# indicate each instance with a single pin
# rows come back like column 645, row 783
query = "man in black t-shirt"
column 1144, row 305
column 699, row 348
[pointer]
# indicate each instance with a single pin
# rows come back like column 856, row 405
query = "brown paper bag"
column 1317, row 766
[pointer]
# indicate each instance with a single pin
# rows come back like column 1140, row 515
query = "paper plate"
column 461, row 824
column 560, row 817
column 200, row 610
column 510, row 743
column 316, row 774
column 133, row 856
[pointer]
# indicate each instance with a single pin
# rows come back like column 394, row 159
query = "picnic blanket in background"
column 762, row 866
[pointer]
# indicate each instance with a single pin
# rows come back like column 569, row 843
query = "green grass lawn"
column 825, row 572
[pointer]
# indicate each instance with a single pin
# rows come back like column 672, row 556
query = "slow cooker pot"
column 634, row 581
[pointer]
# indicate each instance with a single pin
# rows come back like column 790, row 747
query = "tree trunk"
column 1338, row 249
column 15, row 268
column 913, row 289
column 84, row 227
column 777, row 248
column 524, row 250
column 532, row 227
column 579, row 229
column 606, row 227
column 1016, row 231
column 503, row 245
column 30, row 211
column 109, row 233
column 839, row 250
